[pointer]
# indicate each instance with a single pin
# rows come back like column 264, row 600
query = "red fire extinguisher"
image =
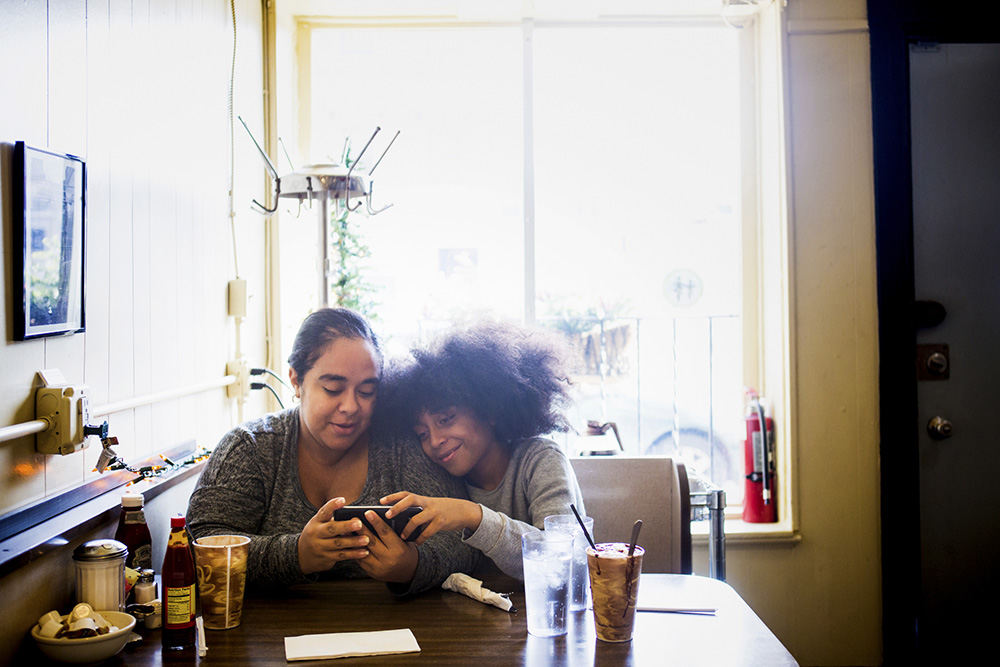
column 760, row 493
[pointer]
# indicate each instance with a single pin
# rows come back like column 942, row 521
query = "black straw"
column 583, row 527
column 635, row 536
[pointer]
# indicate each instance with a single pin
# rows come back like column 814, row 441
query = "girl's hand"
column 389, row 557
column 438, row 514
column 323, row 541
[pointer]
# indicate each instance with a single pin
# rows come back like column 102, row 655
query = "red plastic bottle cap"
column 176, row 522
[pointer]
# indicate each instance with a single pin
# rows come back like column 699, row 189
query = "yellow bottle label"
column 180, row 605
column 177, row 537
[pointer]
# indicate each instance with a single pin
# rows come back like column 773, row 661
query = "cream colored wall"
column 822, row 596
column 138, row 88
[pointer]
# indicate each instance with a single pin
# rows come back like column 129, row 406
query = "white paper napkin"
column 463, row 583
column 350, row 644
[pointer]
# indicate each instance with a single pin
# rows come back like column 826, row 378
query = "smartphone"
column 396, row 522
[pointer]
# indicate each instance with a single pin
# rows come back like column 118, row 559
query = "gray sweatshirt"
column 251, row 487
column 539, row 482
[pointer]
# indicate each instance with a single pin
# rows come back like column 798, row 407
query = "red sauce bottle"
column 178, row 584
column 134, row 533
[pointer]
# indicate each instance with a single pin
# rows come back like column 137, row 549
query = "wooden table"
column 454, row 630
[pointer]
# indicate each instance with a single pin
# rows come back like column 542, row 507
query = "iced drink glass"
column 546, row 581
column 614, row 584
column 579, row 584
column 221, row 564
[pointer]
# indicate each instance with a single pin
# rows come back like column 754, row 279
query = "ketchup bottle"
column 178, row 584
column 134, row 533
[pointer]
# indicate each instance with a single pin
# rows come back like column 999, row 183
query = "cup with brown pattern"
column 221, row 564
column 614, row 587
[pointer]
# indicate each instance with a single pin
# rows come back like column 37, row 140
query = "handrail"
column 38, row 425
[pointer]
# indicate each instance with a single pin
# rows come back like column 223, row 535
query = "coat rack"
column 324, row 183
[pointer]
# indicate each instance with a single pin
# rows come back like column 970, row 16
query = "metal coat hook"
column 284, row 150
column 350, row 171
column 277, row 193
column 379, row 160
column 270, row 168
column 368, row 199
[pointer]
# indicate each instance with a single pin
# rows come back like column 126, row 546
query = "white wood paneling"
column 138, row 88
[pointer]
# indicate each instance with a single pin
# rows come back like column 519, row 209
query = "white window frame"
column 767, row 269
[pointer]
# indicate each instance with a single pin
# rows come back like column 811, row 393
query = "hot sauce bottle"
column 178, row 585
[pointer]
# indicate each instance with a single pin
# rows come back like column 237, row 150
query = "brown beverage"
column 614, row 586
column 222, row 567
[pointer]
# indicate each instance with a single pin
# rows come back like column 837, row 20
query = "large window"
column 585, row 176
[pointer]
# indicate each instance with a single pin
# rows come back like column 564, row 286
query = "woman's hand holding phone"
column 323, row 542
column 439, row 513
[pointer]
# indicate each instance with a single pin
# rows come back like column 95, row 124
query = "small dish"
column 88, row 649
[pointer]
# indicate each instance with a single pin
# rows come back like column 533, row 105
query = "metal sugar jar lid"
column 97, row 550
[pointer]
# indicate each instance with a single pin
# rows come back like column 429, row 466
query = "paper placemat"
column 350, row 644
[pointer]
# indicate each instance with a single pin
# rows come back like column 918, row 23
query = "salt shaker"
column 145, row 589
column 100, row 574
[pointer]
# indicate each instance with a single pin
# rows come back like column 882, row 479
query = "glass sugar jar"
column 100, row 574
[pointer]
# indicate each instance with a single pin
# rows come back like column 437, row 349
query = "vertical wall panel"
column 142, row 158
column 122, row 119
column 67, row 106
column 23, row 70
column 98, row 259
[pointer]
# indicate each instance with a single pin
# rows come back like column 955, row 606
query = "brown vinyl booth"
column 617, row 490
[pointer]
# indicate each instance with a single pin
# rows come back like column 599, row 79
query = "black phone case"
column 397, row 522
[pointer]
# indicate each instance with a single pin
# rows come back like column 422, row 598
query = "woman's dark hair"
column 509, row 376
column 323, row 327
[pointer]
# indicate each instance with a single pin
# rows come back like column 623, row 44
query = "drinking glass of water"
column 547, row 562
column 579, row 581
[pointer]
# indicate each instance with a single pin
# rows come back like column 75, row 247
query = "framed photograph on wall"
column 48, row 242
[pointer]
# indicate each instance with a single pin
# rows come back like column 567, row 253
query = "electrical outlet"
column 241, row 388
column 67, row 410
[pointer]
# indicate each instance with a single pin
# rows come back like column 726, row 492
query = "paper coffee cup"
column 221, row 564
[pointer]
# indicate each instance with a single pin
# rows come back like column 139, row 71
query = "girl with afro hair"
column 479, row 401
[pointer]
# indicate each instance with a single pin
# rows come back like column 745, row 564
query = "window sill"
column 741, row 532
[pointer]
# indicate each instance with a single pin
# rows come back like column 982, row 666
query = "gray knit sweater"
column 539, row 481
column 251, row 487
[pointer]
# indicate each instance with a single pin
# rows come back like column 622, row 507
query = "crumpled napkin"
column 463, row 583
column 350, row 644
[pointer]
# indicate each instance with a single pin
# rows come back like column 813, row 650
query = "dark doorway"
column 935, row 74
